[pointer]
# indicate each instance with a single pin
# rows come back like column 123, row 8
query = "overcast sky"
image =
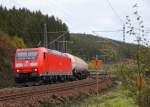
column 85, row 16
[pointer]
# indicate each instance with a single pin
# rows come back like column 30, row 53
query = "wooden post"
column 97, row 64
column 97, row 85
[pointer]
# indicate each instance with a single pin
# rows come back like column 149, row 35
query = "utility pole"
column 97, row 75
column 45, row 36
column 124, row 33
column 57, row 40
column 64, row 44
column 138, row 54
column 97, row 63
column 64, row 49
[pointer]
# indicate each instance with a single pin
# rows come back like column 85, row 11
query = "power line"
column 114, row 11
column 51, row 32
column 66, row 14
column 116, row 14
column 57, row 38
column 62, row 9
column 113, row 31
column 107, row 31
column 124, row 32
column 45, row 36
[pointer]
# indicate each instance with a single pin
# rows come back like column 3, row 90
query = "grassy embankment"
column 115, row 98
column 118, row 96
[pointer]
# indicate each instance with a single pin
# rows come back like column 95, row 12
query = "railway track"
column 64, row 87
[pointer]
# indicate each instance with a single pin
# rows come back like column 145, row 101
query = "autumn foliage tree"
column 7, row 50
column 18, row 42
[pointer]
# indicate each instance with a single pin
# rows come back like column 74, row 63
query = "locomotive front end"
column 26, row 64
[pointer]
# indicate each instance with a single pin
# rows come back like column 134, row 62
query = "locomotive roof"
column 56, row 52
column 42, row 49
column 30, row 49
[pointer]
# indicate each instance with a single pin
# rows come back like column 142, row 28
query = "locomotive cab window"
column 33, row 55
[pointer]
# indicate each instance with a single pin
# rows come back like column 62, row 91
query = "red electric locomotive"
column 47, row 65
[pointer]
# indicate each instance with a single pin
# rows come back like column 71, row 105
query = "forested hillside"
column 29, row 25
column 88, row 46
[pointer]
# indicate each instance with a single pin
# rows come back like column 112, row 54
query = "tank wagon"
column 46, row 65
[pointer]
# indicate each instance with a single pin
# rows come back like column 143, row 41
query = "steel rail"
column 52, row 90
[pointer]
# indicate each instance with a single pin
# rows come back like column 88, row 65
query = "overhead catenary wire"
column 67, row 15
column 108, row 31
column 57, row 38
column 120, row 20
column 114, row 11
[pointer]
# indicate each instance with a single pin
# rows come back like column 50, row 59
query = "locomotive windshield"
column 27, row 55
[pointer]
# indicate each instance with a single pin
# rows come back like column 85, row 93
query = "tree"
column 18, row 42
column 29, row 25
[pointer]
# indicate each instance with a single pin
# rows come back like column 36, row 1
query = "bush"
column 7, row 50
column 143, row 100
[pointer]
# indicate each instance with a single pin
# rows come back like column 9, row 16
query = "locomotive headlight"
column 18, row 70
column 33, row 64
column 35, row 69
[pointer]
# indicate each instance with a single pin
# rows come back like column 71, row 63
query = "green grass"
column 114, row 98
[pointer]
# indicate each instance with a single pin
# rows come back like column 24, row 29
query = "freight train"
column 46, row 65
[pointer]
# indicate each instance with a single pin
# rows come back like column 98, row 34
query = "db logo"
column 26, row 63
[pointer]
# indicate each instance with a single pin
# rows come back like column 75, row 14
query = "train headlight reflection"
column 17, row 70
column 35, row 69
